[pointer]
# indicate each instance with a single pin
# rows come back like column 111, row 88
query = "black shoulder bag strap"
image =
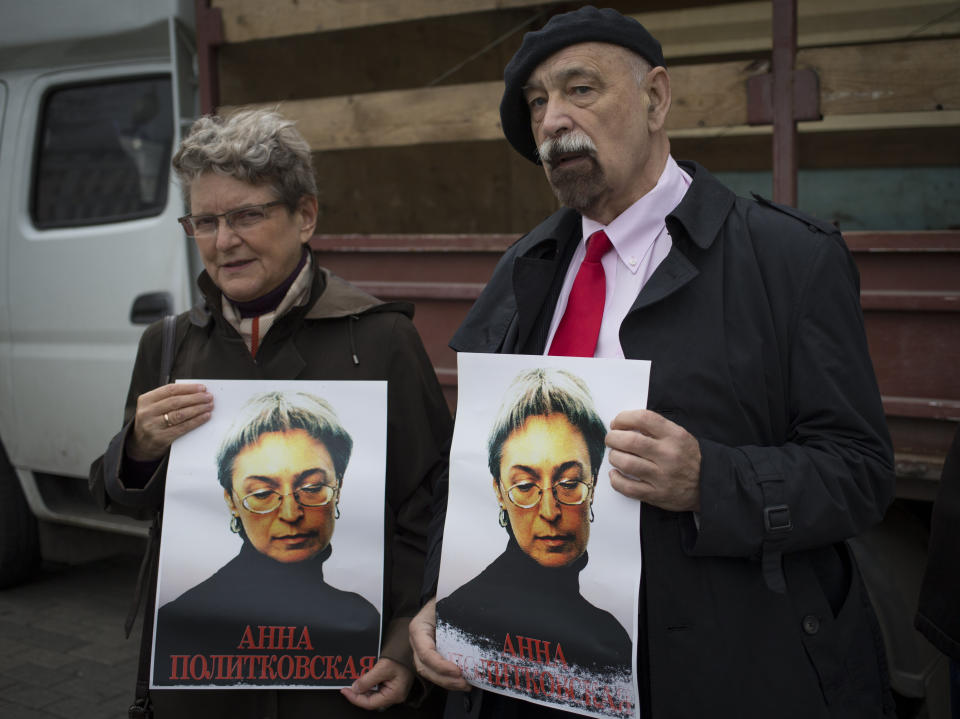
column 141, row 707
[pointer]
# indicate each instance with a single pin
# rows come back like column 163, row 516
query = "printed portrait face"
column 546, row 466
column 285, row 491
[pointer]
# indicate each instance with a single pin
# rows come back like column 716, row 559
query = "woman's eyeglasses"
column 264, row 501
column 239, row 218
column 567, row 491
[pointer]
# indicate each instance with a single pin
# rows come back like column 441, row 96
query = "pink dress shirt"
column 640, row 242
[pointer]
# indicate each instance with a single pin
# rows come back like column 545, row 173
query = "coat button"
column 811, row 624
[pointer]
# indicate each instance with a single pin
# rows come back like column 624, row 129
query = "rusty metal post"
column 209, row 38
column 784, row 122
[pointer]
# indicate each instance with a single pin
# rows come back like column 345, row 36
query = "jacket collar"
column 330, row 298
column 703, row 210
column 507, row 310
column 543, row 241
column 698, row 219
column 509, row 318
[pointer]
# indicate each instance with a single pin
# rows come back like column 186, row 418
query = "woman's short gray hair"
column 259, row 147
column 544, row 391
column 284, row 412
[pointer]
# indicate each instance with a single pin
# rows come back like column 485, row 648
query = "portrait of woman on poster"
column 281, row 467
column 544, row 454
column 267, row 310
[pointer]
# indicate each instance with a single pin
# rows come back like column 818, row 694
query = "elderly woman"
column 281, row 466
column 270, row 312
column 544, row 453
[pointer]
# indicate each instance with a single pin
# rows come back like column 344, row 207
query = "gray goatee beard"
column 578, row 187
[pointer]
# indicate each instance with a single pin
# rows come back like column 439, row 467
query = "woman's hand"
column 429, row 662
column 163, row 414
column 388, row 683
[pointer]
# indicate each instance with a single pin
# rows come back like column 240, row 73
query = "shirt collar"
column 634, row 230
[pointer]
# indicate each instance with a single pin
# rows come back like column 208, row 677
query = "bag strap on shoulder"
column 147, row 576
column 166, row 349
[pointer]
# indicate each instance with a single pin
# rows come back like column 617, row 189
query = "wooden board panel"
column 746, row 27
column 398, row 117
column 712, row 95
column 720, row 28
column 245, row 20
column 915, row 80
column 451, row 50
column 455, row 187
column 898, row 147
column 920, row 76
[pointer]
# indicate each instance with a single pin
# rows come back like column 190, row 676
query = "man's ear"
column 657, row 82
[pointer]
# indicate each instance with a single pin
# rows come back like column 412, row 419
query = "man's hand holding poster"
column 540, row 570
column 250, row 590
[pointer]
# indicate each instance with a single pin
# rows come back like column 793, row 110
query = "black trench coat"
column 754, row 329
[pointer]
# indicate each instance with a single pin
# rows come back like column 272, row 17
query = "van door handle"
column 150, row 307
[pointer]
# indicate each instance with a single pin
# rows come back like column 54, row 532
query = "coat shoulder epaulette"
column 812, row 223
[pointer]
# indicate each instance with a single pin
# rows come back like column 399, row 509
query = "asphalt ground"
column 63, row 654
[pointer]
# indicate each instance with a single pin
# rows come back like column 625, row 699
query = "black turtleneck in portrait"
column 303, row 616
column 515, row 597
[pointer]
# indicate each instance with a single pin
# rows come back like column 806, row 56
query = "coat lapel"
column 512, row 314
column 673, row 273
column 537, row 277
column 532, row 279
column 694, row 224
column 283, row 361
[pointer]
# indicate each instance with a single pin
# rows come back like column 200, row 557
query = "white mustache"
column 568, row 142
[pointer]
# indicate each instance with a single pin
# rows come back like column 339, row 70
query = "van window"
column 103, row 153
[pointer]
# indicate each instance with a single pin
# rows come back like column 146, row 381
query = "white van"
column 93, row 97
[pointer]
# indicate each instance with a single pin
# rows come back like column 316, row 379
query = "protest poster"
column 271, row 558
column 540, row 571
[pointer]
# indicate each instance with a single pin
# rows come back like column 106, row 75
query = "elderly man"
column 764, row 444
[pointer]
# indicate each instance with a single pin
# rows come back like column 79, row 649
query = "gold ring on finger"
column 166, row 418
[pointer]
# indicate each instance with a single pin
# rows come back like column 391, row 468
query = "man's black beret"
column 588, row 24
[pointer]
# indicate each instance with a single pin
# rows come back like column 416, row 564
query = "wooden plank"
column 921, row 76
column 918, row 81
column 882, row 86
column 691, row 32
column 370, row 59
column 926, row 241
column 450, row 113
column 746, row 27
column 712, row 95
column 906, row 301
column 902, row 146
column 456, row 187
column 413, row 243
column 834, row 123
column 245, row 20
column 423, row 290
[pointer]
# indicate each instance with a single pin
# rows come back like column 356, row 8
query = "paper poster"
column 271, row 558
column 540, row 571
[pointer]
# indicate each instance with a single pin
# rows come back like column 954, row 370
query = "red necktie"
column 577, row 333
